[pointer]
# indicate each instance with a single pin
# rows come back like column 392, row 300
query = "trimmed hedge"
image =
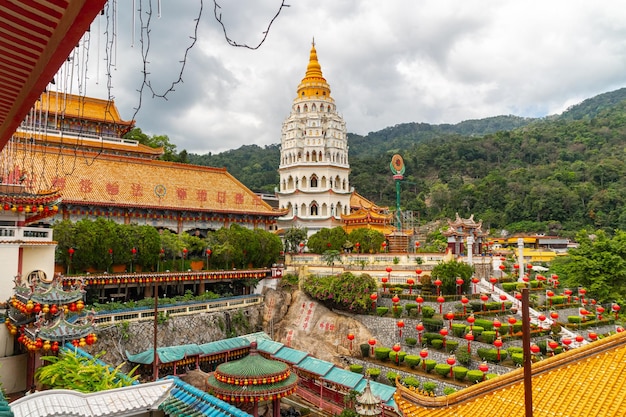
column 488, row 336
column 437, row 343
column 430, row 364
column 429, row 386
column 391, row 376
column 410, row 341
column 401, row 355
column 411, row 381
column 458, row 329
column 474, row 375
column 484, row 323
column 427, row 337
column 432, row 325
column 412, row 360
column 373, row 373
column 443, row 369
column 356, row 368
column 459, row 372
column 381, row 311
column 517, row 358
column 491, row 355
column 451, row 346
column 365, row 350
column 427, row 312
column 382, row 353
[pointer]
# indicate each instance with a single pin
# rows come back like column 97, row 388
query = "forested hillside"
column 554, row 175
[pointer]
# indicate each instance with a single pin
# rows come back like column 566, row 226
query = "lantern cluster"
column 29, row 208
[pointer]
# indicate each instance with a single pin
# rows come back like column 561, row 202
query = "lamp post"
column 438, row 283
column 475, row 281
column 469, row 337
column 616, row 308
column 420, row 329
column 464, row 301
column 419, row 275
column 503, row 298
column 372, row 343
column 410, row 282
column 208, row 257
column 350, row 338
column 161, row 257
column 395, row 300
column 496, row 325
column 110, row 259
column 498, row 344
column 443, row 332
column 459, row 285
column 396, row 348
column 441, row 300
column 424, row 355
column 450, row 317
column 70, row 252
column 451, row 361
column 419, row 300
column 374, row 297
column 182, row 259
column 133, row 252
column 385, row 280
column 483, row 368
column 400, row 325
column 471, row 319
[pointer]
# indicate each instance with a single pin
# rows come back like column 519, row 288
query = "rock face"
column 290, row 318
column 313, row 328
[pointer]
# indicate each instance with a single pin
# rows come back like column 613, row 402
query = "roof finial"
column 313, row 42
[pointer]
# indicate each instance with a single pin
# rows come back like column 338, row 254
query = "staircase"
column 398, row 242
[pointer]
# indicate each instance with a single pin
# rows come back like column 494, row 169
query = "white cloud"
column 386, row 62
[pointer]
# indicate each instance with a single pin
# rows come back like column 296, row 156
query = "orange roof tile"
column 586, row 381
column 80, row 107
column 85, row 177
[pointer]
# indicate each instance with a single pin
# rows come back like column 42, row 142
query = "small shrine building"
column 464, row 234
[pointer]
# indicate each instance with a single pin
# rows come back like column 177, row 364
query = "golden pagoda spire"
column 313, row 84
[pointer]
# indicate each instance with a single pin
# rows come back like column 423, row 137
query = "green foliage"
column 327, row 239
column 448, row 390
column 488, row 336
column 491, row 354
column 70, row 370
column 430, row 364
column 443, row 369
column 293, row 237
column 451, row 346
column 518, row 358
column 382, row 353
column 474, row 375
column 410, row 341
column 428, row 312
column 429, row 386
column 397, row 357
column 159, row 141
column 411, row 381
column 412, row 360
column 381, row 311
column 459, row 372
column 484, row 323
column 458, row 329
column 391, row 376
column 346, row 292
column 373, row 373
column 369, row 240
column 356, row 368
column 365, row 350
column 448, row 272
column 463, row 357
column 436, row 343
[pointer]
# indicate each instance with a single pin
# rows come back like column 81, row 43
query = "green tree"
column 327, row 239
column 346, row 292
column 448, row 272
column 330, row 257
column 369, row 240
column 293, row 237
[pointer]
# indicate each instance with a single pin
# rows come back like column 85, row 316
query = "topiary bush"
column 381, row 311
column 373, row 373
column 488, row 336
column 517, row 358
column 427, row 337
column 396, row 311
column 400, row 356
column 356, row 368
column 458, row 329
column 382, row 353
column 412, row 360
column 443, row 369
column 432, row 325
column 509, row 286
column 436, row 343
column 451, row 346
column 491, row 354
column 391, row 376
column 429, row 386
column 411, row 309
column 410, row 341
column 484, row 323
column 474, row 375
column 448, row 390
column 574, row 319
column 428, row 312
column 463, row 357
column 365, row 350
column 459, row 372
column 411, row 381
column 430, row 364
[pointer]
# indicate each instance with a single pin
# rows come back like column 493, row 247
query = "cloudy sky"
column 387, row 62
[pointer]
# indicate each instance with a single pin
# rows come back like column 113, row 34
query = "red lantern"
column 437, row 283
column 483, row 368
column 475, row 281
column 552, row 344
column 503, row 298
column 419, row 300
column 498, row 344
column 471, row 319
column 464, row 301
column 410, row 282
column 400, row 325
column 592, row 335
column 350, row 338
column 566, row 341
column 579, row 338
column 512, row 320
column 424, row 355
column 420, row 328
column 396, row 348
column 451, row 361
column 554, row 315
column 493, row 281
column 372, row 343
column 469, row 337
column 616, row 308
column 374, row 297
column 535, row 349
column 599, row 311
column 440, row 300
column 541, row 318
column 443, row 332
column 449, row 316
column 502, row 267
column 496, row 325
column 385, row 280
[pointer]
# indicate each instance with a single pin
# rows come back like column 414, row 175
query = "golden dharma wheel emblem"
column 397, row 165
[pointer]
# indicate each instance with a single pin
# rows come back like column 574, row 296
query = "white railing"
column 147, row 313
column 25, row 233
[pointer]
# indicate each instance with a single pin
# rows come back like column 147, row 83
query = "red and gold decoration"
column 253, row 379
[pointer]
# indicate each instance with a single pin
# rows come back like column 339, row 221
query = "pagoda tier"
column 251, row 380
column 367, row 404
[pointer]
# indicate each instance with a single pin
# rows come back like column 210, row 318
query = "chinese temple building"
column 314, row 169
column 74, row 145
column 560, row 387
column 251, row 380
column 463, row 233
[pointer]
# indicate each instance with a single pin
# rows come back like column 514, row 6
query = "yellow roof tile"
column 80, row 107
column 586, row 381
column 108, row 180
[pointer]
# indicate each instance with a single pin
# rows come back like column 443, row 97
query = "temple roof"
column 585, row 381
column 90, row 178
column 251, row 366
column 81, row 107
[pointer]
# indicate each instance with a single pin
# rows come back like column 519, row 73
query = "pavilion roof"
column 588, row 380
